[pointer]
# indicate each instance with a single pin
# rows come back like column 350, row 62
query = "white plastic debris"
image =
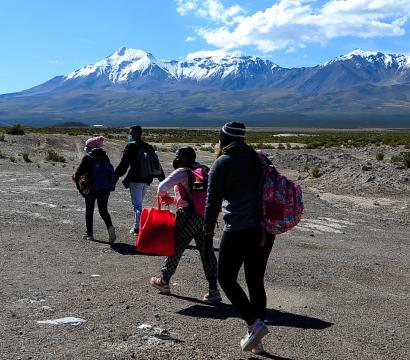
column 95, row 275
column 63, row 321
column 145, row 327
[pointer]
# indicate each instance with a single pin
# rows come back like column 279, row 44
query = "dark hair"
column 187, row 154
column 137, row 129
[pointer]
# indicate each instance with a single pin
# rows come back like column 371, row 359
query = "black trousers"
column 239, row 248
column 102, row 202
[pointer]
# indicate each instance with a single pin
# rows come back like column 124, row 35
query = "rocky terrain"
column 337, row 285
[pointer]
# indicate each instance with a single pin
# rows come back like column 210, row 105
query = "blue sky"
column 40, row 39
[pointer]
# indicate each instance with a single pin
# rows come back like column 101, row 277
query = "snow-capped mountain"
column 375, row 58
column 217, row 85
column 127, row 67
column 133, row 69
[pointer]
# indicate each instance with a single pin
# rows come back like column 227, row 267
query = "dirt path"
column 338, row 285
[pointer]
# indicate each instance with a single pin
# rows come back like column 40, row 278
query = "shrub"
column 288, row 146
column 209, row 148
column 53, row 155
column 26, row 158
column 380, row 156
column 406, row 158
column 12, row 159
column 160, row 148
column 281, row 146
column 395, row 158
column 16, row 129
column 315, row 145
column 2, row 136
column 315, row 171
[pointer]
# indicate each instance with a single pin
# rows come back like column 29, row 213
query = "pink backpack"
column 281, row 199
column 198, row 182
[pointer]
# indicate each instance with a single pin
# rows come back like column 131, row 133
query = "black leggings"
column 102, row 202
column 244, row 247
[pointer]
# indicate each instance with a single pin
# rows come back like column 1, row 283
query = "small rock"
column 366, row 168
column 376, row 203
column 312, row 235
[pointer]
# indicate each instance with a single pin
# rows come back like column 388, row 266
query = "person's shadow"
column 202, row 309
column 127, row 249
column 274, row 317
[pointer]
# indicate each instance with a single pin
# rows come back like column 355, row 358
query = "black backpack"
column 149, row 164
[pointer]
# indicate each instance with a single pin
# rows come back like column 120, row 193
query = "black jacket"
column 86, row 164
column 130, row 160
column 234, row 182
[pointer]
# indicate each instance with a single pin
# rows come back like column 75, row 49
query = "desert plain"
column 337, row 285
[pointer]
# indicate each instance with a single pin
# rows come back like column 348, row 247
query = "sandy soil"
column 337, row 285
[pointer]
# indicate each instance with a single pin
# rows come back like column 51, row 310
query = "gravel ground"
column 337, row 285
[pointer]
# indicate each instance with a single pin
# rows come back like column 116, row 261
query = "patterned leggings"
column 188, row 226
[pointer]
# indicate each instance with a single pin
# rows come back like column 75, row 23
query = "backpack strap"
column 187, row 195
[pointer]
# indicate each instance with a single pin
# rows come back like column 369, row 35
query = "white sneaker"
column 133, row 231
column 258, row 349
column 111, row 234
column 254, row 335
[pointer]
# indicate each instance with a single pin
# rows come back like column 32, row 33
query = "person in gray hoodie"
column 234, row 183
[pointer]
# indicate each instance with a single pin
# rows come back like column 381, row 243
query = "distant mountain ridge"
column 134, row 69
column 244, row 86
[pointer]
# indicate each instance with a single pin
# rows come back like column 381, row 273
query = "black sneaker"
column 213, row 296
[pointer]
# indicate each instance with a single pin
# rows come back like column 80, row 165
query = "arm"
column 173, row 179
column 83, row 168
column 214, row 197
column 125, row 162
column 162, row 176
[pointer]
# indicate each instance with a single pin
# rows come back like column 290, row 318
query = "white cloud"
column 185, row 6
column 211, row 9
column 289, row 24
column 190, row 39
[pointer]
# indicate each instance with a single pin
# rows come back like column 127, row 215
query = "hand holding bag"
column 156, row 232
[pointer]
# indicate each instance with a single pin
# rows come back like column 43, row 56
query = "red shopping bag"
column 157, row 232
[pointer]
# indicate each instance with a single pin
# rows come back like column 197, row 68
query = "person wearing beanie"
column 234, row 183
column 188, row 225
column 137, row 184
column 88, row 166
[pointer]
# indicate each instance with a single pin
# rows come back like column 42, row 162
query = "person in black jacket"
column 234, row 183
column 90, row 195
column 138, row 185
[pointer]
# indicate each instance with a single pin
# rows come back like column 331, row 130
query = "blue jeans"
column 137, row 191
